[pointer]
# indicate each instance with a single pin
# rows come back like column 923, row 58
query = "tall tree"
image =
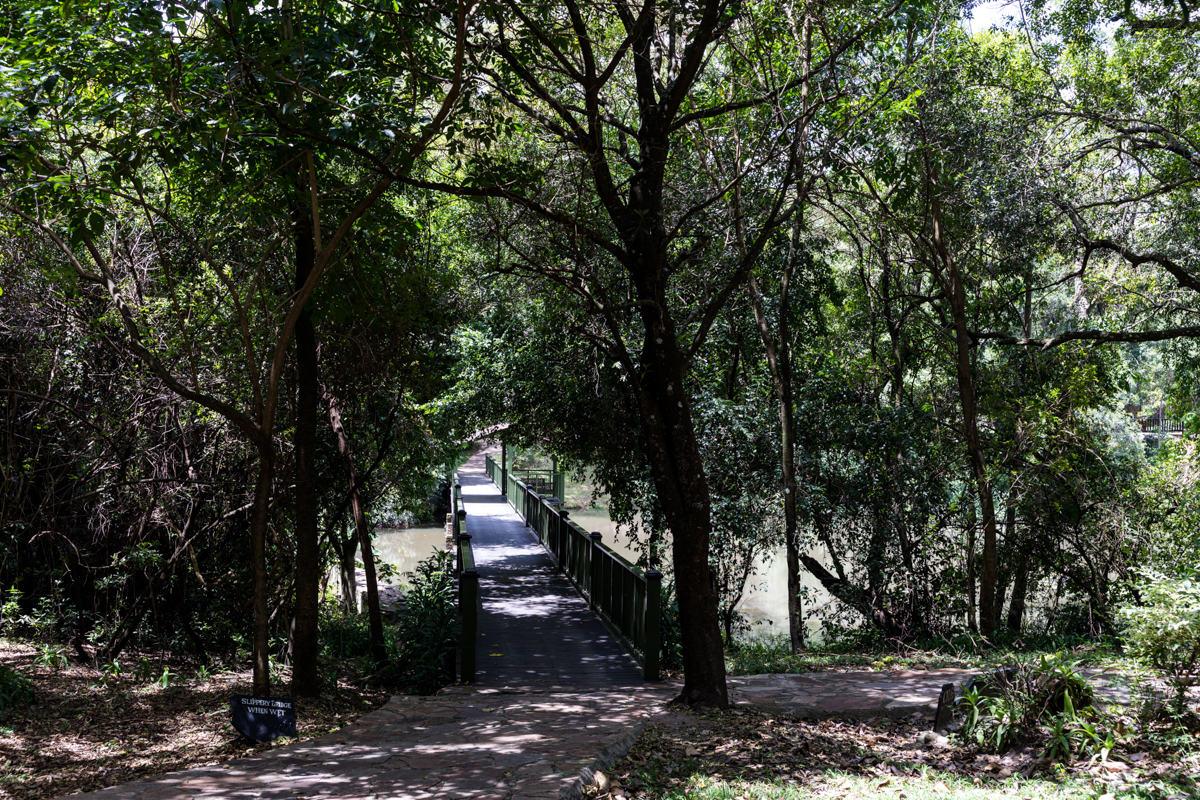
column 156, row 124
column 613, row 94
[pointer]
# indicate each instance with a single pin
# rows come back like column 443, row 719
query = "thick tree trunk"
column 363, row 528
column 306, row 679
column 679, row 480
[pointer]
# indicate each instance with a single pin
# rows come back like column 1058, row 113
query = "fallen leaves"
column 746, row 747
column 80, row 736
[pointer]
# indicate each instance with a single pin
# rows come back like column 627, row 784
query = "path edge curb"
column 603, row 762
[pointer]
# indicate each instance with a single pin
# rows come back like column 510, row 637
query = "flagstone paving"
column 481, row 743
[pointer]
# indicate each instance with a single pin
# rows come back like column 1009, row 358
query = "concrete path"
column 535, row 631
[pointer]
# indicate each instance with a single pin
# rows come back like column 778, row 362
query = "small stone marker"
column 263, row 718
column 945, row 709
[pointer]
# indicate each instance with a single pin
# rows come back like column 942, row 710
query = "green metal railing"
column 624, row 596
column 468, row 586
column 494, row 470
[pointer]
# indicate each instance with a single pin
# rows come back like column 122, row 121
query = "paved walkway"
column 485, row 744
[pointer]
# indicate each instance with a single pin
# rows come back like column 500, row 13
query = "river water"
column 764, row 604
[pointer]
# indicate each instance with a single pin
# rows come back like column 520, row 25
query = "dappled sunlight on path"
column 534, row 629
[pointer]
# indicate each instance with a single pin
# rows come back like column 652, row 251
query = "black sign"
column 263, row 718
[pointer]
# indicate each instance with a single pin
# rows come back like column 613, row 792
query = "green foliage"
column 145, row 671
column 1046, row 696
column 110, row 674
column 15, row 689
column 1165, row 629
column 343, row 635
column 428, row 632
column 165, row 678
column 51, row 655
column 670, row 634
column 10, row 612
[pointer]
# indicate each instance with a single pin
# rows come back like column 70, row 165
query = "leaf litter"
column 752, row 747
column 81, row 735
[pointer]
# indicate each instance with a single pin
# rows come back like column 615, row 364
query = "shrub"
column 1165, row 630
column 344, row 635
column 1027, row 697
column 428, row 631
column 15, row 689
column 51, row 655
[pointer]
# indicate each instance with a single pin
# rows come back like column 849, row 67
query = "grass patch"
column 771, row 655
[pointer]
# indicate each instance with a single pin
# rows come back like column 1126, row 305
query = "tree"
column 613, row 95
column 97, row 130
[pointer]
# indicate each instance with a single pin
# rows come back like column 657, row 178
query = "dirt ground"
column 84, row 733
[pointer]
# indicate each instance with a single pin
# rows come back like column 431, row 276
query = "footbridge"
column 544, row 602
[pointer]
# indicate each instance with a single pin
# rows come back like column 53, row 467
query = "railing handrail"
column 1161, row 424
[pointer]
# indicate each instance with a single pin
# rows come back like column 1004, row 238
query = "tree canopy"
column 914, row 307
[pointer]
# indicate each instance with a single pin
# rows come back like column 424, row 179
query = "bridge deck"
column 535, row 631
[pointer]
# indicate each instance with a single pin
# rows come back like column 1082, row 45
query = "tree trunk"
column 1016, row 607
column 972, row 624
column 258, row 571
column 855, row 597
column 306, row 679
column 1012, row 548
column 361, row 525
column 779, row 361
column 682, row 488
column 347, row 546
column 953, row 284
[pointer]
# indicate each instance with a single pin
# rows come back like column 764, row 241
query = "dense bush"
column 428, row 632
column 1030, row 699
column 1165, row 630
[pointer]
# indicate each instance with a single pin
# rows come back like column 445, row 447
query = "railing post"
column 594, row 569
column 563, row 515
column 469, row 608
column 459, row 513
column 458, row 565
column 652, row 623
column 503, row 469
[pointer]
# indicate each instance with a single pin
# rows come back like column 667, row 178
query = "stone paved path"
column 485, row 744
column 848, row 694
